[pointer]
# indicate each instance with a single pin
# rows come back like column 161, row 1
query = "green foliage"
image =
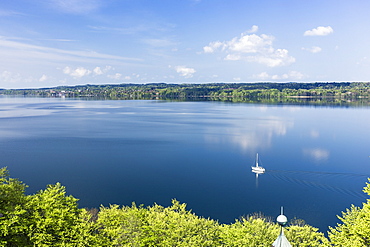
column 12, row 199
column 47, row 218
column 11, row 192
column 303, row 93
column 155, row 226
column 249, row 231
column 355, row 229
column 176, row 226
column 305, row 236
column 259, row 231
column 52, row 218
column 121, row 226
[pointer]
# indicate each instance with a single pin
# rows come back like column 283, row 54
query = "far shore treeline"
column 319, row 92
column 50, row 217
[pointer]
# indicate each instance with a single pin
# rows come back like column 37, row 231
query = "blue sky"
column 73, row 42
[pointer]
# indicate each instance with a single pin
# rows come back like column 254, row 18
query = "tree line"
column 212, row 91
column 50, row 217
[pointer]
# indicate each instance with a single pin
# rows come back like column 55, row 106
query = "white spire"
column 281, row 241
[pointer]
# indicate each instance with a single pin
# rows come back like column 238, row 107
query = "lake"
column 201, row 153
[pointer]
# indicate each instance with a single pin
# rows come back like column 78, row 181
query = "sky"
column 48, row 43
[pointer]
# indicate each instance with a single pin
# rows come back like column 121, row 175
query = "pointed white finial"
column 282, row 219
column 281, row 240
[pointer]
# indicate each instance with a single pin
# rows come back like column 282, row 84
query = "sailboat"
column 257, row 169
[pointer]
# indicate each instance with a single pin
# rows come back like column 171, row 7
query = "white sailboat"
column 257, row 169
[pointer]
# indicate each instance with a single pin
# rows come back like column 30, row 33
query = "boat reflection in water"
column 257, row 170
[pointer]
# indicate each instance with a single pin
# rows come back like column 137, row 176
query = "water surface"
column 116, row 152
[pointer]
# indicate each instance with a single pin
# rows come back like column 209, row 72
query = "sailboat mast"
column 257, row 160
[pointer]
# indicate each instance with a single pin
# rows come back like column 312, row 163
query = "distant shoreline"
column 237, row 92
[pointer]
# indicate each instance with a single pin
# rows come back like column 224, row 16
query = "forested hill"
column 345, row 90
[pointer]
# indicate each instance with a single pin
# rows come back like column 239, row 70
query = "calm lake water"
column 201, row 153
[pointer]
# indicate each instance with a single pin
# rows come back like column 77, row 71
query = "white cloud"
column 233, row 57
column 365, row 62
column 43, row 78
column 115, row 76
column 212, row 47
column 319, row 31
column 276, row 58
column 77, row 73
column 254, row 29
column 98, row 71
column 294, row 75
column 251, row 43
column 313, row 49
column 184, row 71
column 81, row 71
column 252, row 48
column 9, row 13
column 7, row 76
column 262, row 76
column 10, row 49
column 291, row 75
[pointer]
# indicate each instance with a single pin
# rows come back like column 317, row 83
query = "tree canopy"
column 50, row 217
column 239, row 92
column 355, row 228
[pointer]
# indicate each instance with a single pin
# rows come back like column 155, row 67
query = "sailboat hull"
column 257, row 169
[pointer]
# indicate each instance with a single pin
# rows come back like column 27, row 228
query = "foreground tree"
column 251, row 231
column 305, row 236
column 53, row 219
column 121, row 226
column 258, row 230
column 155, row 226
column 47, row 218
column 355, row 229
column 12, row 199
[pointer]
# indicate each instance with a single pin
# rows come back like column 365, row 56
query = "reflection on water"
column 257, row 169
column 200, row 153
column 248, row 135
column 317, row 154
column 257, row 178
column 13, row 111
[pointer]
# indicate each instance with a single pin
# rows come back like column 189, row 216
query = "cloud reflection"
column 317, row 154
column 14, row 112
column 314, row 134
column 251, row 135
